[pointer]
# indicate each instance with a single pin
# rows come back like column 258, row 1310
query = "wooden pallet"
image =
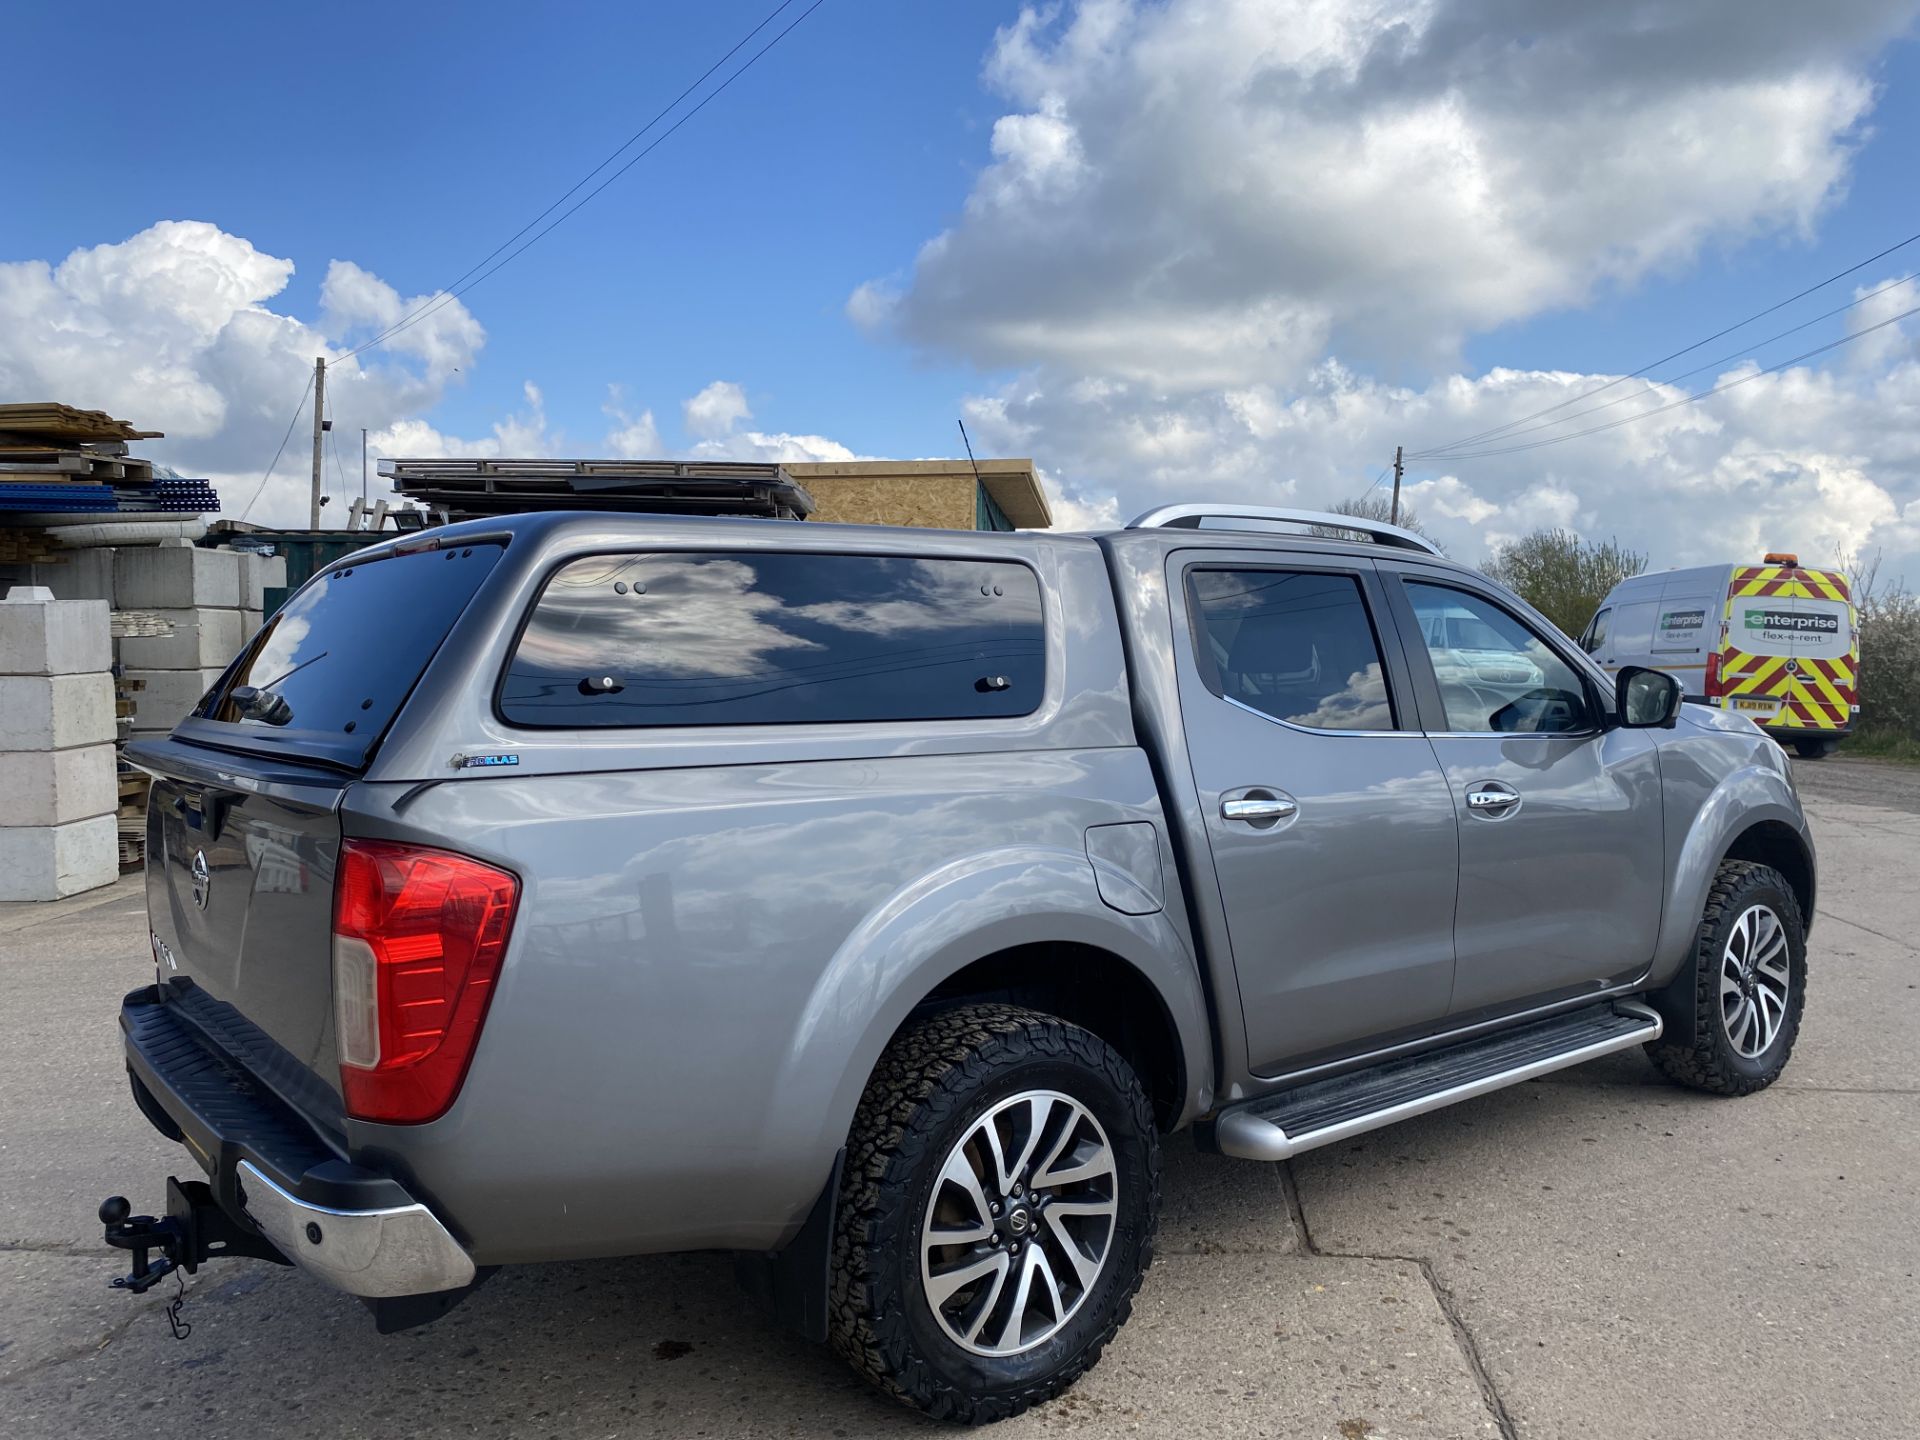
column 51, row 467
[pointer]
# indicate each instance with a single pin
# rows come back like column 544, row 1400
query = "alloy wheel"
column 1019, row 1224
column 1755, row 978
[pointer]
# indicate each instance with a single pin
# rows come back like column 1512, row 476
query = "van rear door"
column 1789, row 661
column 243, row 831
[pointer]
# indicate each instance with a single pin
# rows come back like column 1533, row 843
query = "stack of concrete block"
column 213, row 600
column 58, row 835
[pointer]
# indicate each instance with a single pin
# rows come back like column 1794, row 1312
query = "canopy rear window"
column 777, row 638
column 346, row 651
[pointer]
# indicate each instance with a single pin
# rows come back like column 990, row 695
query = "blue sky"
column 411, row 139
column 731, row 250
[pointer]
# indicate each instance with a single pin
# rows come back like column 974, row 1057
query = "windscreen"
column 344, row 653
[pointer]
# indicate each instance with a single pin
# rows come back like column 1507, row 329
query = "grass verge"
column 1882, row 745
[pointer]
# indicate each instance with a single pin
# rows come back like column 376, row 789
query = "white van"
column 1777, row 643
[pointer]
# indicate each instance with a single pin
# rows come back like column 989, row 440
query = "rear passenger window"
column 1295, row 645
column 777, row 638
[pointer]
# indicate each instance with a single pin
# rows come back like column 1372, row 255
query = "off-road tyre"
column 930, row 1086
column 1711, row 1063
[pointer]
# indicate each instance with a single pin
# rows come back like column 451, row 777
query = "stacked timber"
column 62, row 465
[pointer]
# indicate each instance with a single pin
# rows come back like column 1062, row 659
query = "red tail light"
column 1713, row 674
column 418, row 936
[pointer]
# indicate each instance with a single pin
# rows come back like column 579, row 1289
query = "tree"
column 1375, row 507
column 1889, row 617
column 1562, row 576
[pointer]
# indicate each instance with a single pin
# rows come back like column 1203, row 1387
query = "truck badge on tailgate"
column 202, row 879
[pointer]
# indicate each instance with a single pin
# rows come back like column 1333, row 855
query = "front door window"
column 1496, row 676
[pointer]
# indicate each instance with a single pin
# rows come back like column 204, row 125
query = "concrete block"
column 55, row 712
column 250, row 623
column 200, row 638
column 257, row 572
column 85, row 574
column 54, row 787
column 165, row 696
column 50, row 862
column 53, row 637
column 175, row 577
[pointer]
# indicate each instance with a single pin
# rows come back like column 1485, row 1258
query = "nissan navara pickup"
column 869, row 902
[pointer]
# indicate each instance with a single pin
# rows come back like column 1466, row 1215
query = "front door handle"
column 1492, row 799
column 1270, row 807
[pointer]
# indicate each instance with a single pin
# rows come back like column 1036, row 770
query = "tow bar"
column 193, row 1231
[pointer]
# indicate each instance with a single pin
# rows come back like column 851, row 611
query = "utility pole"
column 319, row 425
column 1399, row 469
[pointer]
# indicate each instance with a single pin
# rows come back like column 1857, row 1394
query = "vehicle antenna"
column 969, row 444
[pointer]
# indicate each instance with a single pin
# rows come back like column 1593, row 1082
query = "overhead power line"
column 495, row 261
column 308, row 390
column 1652, row 387
column 1440, row 451
column 1847, row 339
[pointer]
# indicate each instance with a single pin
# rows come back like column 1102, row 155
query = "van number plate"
column 1765, row 707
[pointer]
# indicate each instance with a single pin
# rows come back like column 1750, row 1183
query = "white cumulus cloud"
column 716, row 410
column 1220, row 191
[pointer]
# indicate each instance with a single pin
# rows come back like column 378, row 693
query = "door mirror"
column 1647, row 699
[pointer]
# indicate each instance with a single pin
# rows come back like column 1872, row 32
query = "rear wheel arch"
column 1097, row 990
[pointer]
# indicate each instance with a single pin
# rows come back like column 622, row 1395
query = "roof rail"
column 1188, row 517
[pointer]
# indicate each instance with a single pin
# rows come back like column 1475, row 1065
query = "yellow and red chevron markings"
column 1812, row 694
column 1789, row 583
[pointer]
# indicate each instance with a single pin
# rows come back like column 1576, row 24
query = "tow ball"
column 194, row 1230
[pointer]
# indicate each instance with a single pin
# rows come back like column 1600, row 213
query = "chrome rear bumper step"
column 1276, row 1127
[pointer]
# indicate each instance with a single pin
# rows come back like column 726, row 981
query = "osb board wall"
column 930, row 502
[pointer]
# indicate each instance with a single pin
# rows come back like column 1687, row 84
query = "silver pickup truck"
column 868, row 902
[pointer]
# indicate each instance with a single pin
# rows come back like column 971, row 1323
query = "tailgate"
column 243, row 829
column 240, row 867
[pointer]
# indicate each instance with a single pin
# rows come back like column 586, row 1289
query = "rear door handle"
column 1268, row 808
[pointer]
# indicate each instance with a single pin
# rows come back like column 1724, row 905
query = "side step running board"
column 1275, row 1127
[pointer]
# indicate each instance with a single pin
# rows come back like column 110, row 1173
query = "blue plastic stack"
column 82, row 499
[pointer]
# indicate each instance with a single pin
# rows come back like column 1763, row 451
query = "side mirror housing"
column 1646, row 699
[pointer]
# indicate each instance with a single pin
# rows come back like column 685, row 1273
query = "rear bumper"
column 356, row 1229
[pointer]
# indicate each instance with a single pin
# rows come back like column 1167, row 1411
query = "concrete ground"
column 1597, row 1254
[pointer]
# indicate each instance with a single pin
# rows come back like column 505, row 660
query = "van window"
column 777, row 638
column 1294, row 645
column 1596, row 635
